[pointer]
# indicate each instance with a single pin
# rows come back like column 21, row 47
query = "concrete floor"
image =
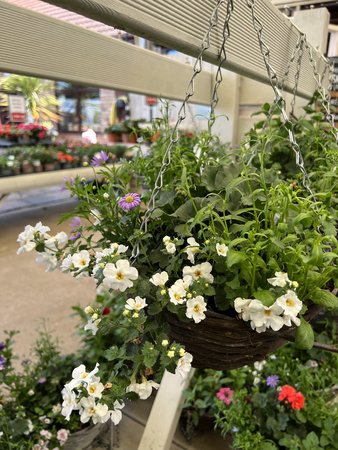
column 29, row 296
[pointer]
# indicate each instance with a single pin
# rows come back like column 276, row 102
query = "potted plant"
column 114, row 132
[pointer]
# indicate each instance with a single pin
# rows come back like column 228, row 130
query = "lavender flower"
column 67, row 180
column 2, row 362
column 2, row 346
column 234, row 429
column 99, row 159
column 75, row 222
column 74, row 235
column 130, row 201
column 272, row 380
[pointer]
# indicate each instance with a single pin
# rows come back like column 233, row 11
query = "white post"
column 165, row 413
column 315, row 24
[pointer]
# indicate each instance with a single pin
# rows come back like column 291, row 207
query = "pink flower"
column 225, row 394
column 130, row 201
column 62, row 435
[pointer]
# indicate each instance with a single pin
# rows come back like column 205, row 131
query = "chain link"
column 279, row 100
column 197, row 68
column 325, row 96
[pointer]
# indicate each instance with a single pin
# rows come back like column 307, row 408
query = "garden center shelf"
column 36, row 180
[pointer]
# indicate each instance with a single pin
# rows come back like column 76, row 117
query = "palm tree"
column 40, row 101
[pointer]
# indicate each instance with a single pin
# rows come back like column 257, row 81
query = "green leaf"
column 155, row 308
column 304, row 335
column 311, row 442
column 150, row 354
column 324, row 298
column 114, row 352
column 234, row 257
column 266, row 297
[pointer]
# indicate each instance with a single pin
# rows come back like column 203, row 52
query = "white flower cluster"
column 282, row 312
column 179, row 293
column 93, row 320
column 29, row 238
column 89, row 407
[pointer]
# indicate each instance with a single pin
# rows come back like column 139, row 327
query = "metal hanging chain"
column 325, row 97
column 222, row 57
column 197, row 68
column 299, row 45
column 297, row 74
column 279, row 100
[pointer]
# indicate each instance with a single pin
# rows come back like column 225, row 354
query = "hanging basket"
column 221, row 342
column 84, row 439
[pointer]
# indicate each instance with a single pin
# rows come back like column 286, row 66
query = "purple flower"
column 42, row 380
column 99, row 159
column 74, row 235
column 67, row 180
column 272, row 380
column 2, row 346
column 2, row 362
column 75, row 222
column 234, row 429
column 130, row 201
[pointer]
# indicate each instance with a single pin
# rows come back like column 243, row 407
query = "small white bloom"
column 97, row 216
column 80, row 375
column 26, row 238
column 222, row 249
column 116, row 413
column 49, row 260
column 105, row 195
column 31, row 392
column 144, row 389
column 184, row 365
column 171, row 248
column 56, row 409
column 256, row 381
column 136, row 304
column 90, row 410
column 46, row 434
column 259, row 365
column 69, row 402
column 92, row 325
column 281, row 279
column 67, row 264
column 166, row 240
column 289, row 319
column 267, row 317
column 192, row 249
column 196, row 307
column 95, row 389
column 54, row 242
column 81, row 260
column 159, row 279
column 177, row 293
column 30, row 427
column 290, row 304
column 241, row 306
column 119, row 276
column 199, row 271
column 62, row 435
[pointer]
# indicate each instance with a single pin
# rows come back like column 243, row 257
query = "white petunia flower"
column 67, row 264
column 290, row 303
column 184, row 365
column 26, row 238
column 81, row 260
column 69, row 402
column 95, row 389
column 259, row 365
column 119, row 276
column 80, row 375
column 281, row 279
column 222, row 249
column 267, row 317
column 54, row 242
column 196, row 307
column 90, row 410
column 136, row 304
column 177, row 293
column 241, row 306
column 171, row 248
column 144, row 389
column 192, row 249
column 199, row 271
column 92, row 325
column 166, row 240
column 49, row 260
column 159, row 279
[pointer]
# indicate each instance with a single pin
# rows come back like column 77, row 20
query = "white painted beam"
column 34, row 44
column 181, row 26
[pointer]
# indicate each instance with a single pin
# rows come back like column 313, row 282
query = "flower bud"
column 85, row 163
column 163, row 292
column 171, row 353
column 89, row 310
column 165, row 342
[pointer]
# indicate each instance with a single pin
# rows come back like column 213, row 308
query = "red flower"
column 41, row 135
column 106, row 311
column 299, row 401
column 287, row 393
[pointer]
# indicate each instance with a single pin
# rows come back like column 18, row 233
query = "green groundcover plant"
column 220, row 235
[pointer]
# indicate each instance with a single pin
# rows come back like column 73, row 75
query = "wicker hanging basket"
column 84, row 439
column 221, row 342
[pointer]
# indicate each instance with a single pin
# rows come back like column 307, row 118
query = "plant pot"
column 6, row 172
column 24, row 140
column 16, row 171
column 125, row 137
column 37, row 166
column 83, row 439
column 27, row 167
column 132, row 138
column 48, row 167
column 113, row 137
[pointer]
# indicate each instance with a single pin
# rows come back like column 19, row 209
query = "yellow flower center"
column 120, row 276
column 138, row 305
column 91, row 411
column 267, row 312
column 92, row 389
column 83, row 262
column 84, row 375
column 197, row 273
column 177, row 296
column 129, row 199
column 196, row 308
column 290, row 302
